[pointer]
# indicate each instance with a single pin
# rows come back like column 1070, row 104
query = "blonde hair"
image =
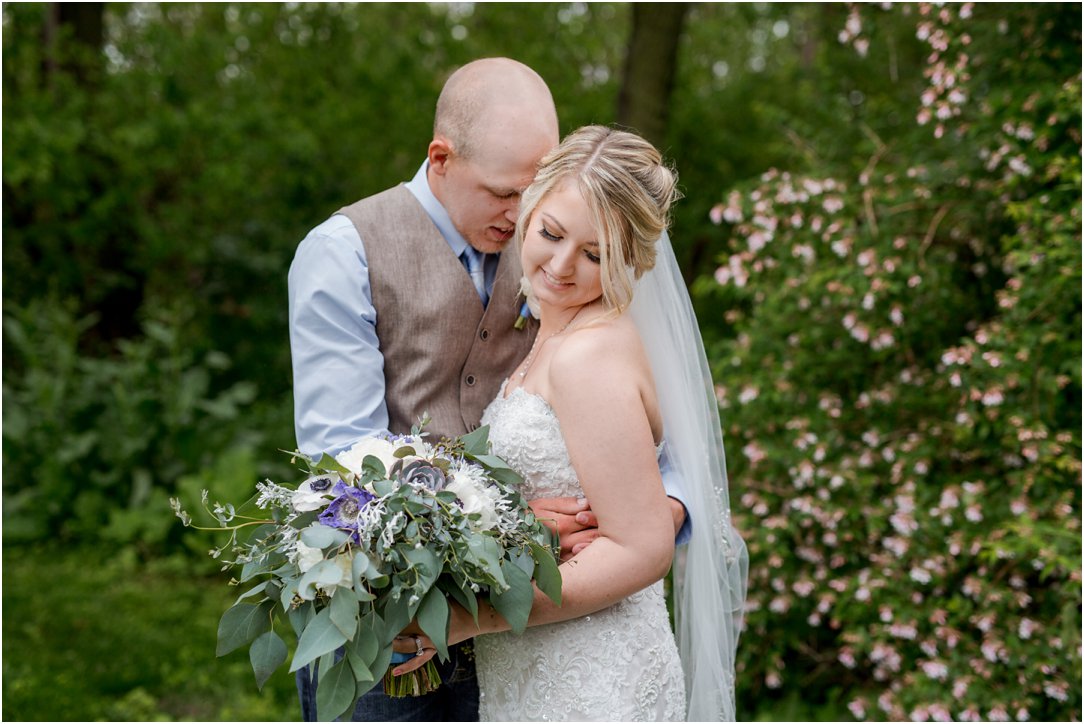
column 628, row 189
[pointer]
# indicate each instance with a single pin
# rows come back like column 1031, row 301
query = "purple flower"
column 343, row 511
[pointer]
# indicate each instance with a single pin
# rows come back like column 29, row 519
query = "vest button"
column 484, row 334
column 470, row 380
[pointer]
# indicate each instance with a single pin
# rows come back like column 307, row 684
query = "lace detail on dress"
column 619, row 664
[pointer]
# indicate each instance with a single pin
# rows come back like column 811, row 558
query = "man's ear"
column 440, row 151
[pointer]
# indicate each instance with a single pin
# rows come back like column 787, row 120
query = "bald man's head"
column 487, row 99
column 495, row 120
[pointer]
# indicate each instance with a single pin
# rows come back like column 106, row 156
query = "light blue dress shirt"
column 337, row 364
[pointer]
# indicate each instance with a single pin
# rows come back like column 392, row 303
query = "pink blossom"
column 936, row 670
column 1027, row 628
column 858, row 708
column 716, row 214
column 920, row 574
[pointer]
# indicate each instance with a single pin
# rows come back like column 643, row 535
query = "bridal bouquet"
column 380, row 535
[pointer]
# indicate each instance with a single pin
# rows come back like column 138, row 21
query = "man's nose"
column 511, row 210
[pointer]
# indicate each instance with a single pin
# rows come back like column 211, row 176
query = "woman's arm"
column 597, row 385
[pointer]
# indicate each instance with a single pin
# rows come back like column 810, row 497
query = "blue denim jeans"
column 456, row 699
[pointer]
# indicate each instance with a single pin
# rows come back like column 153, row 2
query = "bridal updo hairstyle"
column 629, row 190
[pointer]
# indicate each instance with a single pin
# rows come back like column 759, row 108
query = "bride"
column 586, row 413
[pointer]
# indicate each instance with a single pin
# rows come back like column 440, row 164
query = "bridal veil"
column 710, row 571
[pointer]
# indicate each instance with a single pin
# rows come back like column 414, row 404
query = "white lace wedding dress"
column 619, row 664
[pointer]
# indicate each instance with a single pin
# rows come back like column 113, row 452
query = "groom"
column 407, row 302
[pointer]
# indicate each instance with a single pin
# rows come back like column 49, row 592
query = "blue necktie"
column 475, row 263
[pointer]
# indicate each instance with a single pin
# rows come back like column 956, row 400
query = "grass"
column 89, row 638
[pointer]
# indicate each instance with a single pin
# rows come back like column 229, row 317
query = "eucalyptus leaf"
column 397, row 615
column 301, row 616
column 328, row 464
column 380, row 665
column 485, row 552
column 506, row 476
column 267, row 653
column 433, row 617
column 372, row 465
column 305, row 519
column 515, row 603
column 323, row 537
column 546, row 573
column 324, row 573
column 426, row 564
column 319, row 637
column 364, row 648
column 344, row 611
column 241, row 624
column 335, row 692
column 463, row 594
column 261, row 589
column 477, row 442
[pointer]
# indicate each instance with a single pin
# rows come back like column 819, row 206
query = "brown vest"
column 443, row 353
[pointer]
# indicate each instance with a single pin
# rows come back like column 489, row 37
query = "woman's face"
column 561, row 250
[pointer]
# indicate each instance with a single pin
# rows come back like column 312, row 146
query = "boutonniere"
column 524, row 315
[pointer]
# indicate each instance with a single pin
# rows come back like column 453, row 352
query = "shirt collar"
column 419, row 186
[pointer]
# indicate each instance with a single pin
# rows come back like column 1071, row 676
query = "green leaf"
column 344, row 611
column 241, row 624
column 363, row 650
column 484, row 551
column 515, row 603
column 506, row 476
column 257, row 590
column 326, row 463
column 323, row 573
column 380, row 665
column 371, row 465
column 462, row 593
column 476, row 443
column 546, row 573
column 427, row 566
column 318, row 638
column 267, row 653
column 335, row 693
column 433, row 617
column 397, row 614
column 300, row 616
column 323, row 537
column 493, row 462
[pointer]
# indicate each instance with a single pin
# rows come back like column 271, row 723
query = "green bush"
column 94, row 446
column 900, row 381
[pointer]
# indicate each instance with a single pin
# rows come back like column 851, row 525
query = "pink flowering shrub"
column 900, row 384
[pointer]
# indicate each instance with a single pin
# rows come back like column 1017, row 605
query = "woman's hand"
column 413, row 643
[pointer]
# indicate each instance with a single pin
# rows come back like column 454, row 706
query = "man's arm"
column 337, row 364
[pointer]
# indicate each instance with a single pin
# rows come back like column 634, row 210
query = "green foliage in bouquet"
column 384, row 534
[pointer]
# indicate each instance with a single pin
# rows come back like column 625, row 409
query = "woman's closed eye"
column 545, row 233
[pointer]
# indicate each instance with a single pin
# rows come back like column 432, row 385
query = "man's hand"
column 571, row 519
column 576, row 525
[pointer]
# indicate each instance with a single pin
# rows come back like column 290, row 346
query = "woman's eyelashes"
column 547, row 235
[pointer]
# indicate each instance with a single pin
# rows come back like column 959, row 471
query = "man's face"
column 481, row 193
